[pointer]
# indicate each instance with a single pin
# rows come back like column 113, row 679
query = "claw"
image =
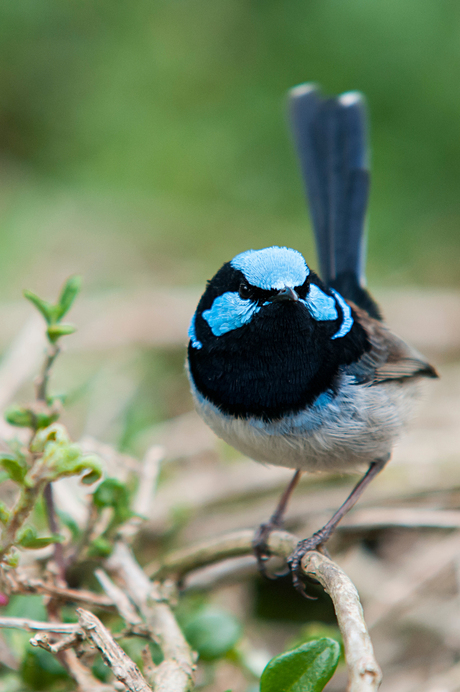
column 295, row 561
column 261, row 550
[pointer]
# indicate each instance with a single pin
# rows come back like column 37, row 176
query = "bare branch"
column 121, row 602
column 364, row 674
column 83, row 677
column 38, row 626
column 176, row 672
column 122, row 666
column 213, row 550
column 68, row 642
column 20, row 583
column 148, row 476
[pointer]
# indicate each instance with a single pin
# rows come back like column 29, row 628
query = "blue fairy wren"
column 297, row 370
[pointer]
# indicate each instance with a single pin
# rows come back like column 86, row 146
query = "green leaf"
column 15, row 467
column 68, row 294
column 40, row 670
column 113, row 493
column 20, row 416
column 27, row 538
column 4, row 513
column 71, row 524
column 212, row 632
column 47, row 309
column 55, row 331
column 63, row 458
column 100, row 547
column 44, row 420
column 306, row 669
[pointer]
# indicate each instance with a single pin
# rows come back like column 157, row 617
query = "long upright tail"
column 331, row 139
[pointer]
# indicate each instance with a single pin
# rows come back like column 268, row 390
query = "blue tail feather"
column 331, row 139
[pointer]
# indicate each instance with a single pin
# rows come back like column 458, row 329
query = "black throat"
column 278, row 364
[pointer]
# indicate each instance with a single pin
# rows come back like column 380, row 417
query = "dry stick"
column 122, row 666
column 83, row 677
column 38, row 626
column 122, row 603
column 176, row 672
column 148, row 477
column 41, row 640
column 363, row 670
column 22, row 584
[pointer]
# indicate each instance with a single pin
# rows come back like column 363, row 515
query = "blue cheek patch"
column 272, row 267
column 229, row 312
column 192, row 335
column 321, row 306
column 347, row 321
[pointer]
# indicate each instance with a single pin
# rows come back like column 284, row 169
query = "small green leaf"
column 100, row 547
column 27, row 538
column 91, row 477
column 20, row 416
column 47, row 309
column 113, row 493
column 68, row 294
column 71, row 524
column 212, row 632
column 306, row 669
column 63, row 458
column 4, row 513
column 55, row 331
column 12, row 559
column 15, row 467
column 43, row 420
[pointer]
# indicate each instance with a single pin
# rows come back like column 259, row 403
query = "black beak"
column 285, row 294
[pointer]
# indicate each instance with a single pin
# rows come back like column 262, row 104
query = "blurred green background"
column 146, row 141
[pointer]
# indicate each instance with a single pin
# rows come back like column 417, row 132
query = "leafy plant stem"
column 41, row 393
column 21, row 511
column 41, row 383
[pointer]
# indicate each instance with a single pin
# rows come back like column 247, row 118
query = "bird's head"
column 266, row 316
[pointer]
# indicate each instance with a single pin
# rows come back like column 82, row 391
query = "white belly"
column 344, row 433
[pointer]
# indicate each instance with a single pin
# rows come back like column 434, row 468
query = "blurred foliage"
column 164, row 121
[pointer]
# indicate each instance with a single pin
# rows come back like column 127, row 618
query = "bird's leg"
column 320, row 537
column 259, row 542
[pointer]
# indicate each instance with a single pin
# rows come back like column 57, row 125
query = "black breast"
column 277, row 364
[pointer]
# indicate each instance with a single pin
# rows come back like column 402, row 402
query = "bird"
column 294, row 367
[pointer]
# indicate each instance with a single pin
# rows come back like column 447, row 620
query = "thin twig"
column 122, row 603
column 148, row 477
column 19, row 583
column 41, row 381
column 213, row 550
column 68, row 642
column 38, row 626
column 122, row 666
column 83, row 677
column 176, row 672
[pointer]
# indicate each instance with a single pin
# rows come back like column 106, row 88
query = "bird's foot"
column 261, row 549
column 294, row 560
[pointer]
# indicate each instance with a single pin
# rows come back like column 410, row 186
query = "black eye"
column 244, row 291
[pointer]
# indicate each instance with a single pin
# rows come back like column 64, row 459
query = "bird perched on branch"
column 297, row 370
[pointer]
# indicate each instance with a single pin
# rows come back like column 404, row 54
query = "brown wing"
column 389, row 358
